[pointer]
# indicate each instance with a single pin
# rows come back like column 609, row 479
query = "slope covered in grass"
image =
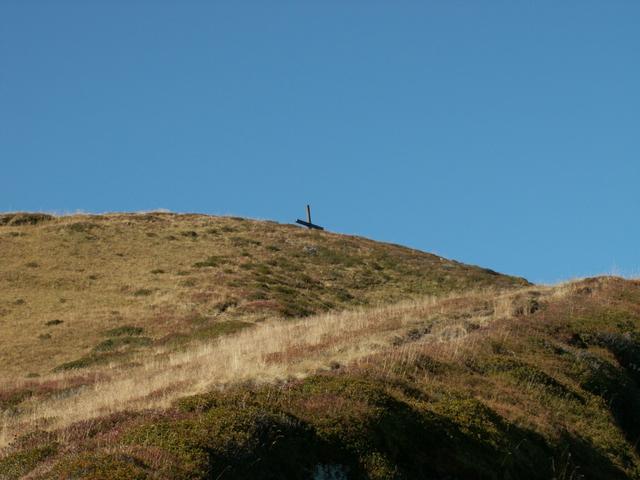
column 192, row 347
column 79, row 291
column 536, row 383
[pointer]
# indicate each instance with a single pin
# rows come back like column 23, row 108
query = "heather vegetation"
column 266, row 351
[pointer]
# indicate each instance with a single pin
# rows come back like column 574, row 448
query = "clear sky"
column 499, row 133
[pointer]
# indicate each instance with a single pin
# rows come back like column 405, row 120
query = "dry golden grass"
column 271, row 351
column 499, row 365
column 173, row 274
column 152, row 308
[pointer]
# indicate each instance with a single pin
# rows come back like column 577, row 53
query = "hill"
column 432, row 369
column 70, row 285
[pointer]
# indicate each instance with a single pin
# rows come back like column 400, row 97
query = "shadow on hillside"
column 618, row 385
column 624, row 395
column 332, row 427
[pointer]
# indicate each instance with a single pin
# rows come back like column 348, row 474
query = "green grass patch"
column 119, row 343
column 220, row 328
column 84, row 362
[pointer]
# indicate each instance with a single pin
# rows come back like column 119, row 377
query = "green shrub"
column 233, row 443
column 121, row 342
column 143, row 292
column 626, row 348
column 342, row 294
column 101, row 466
column 82, row 362
column 615, row 386
column 19, row 463
column 24, row 218
column 220, row 328
column 82, row 227
column 244, row 242
column 529, row 375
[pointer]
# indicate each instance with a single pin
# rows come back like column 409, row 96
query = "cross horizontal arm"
column 309, row 225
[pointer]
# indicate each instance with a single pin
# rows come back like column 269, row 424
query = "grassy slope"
column 180, row 277
column 538, row 382
column 543, row 384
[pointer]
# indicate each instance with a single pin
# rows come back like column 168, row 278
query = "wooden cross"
column 308, row 223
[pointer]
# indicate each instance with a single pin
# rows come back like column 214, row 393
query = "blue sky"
column 504, row 133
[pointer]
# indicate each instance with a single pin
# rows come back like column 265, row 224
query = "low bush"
column 101, row 466
column 122, row 342
column 24, row 218
column 143, row 292
column 17, row 464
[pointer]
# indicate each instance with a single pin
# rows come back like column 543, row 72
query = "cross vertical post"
column 308, row 223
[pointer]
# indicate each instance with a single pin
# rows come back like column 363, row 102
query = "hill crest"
column 184, row 276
